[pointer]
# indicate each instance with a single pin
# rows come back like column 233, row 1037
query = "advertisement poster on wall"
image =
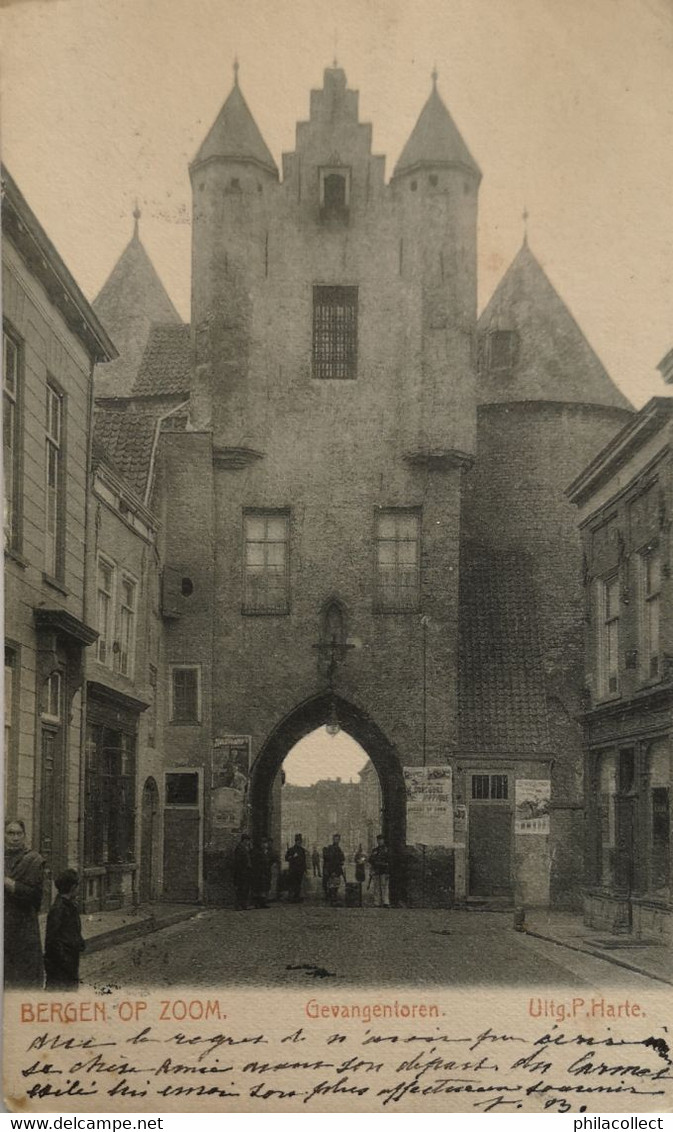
column 230, row 774
column 532, row 805
column 429, row 805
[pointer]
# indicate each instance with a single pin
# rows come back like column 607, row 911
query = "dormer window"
column 335, row 186
column 502, row 350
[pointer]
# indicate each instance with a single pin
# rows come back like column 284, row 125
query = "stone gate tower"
column 332, row 416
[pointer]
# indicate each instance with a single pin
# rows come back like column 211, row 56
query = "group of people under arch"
column 255, row 864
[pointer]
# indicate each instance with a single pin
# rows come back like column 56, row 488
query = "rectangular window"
column 10, row 708
column 109, row 813
column 608, row 637
column 152, row 710
column 335, row 332
column 11, row 438
column 185, row 694
column 607, row 792
column 51, row 705
column 398, row 555
column 54, row 483
column 267, row 576
column 105, row 599
column 490, row 787
column 127, row 626
column 650, row 592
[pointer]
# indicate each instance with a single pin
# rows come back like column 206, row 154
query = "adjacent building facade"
column 625, row 503
column 51, row 341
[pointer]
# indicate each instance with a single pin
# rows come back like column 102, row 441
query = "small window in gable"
column 502, row 350
column 335, row 186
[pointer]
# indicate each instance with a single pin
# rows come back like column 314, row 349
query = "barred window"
column 185, row 694
column 397, row 561
column 490, row 787
column 335, row 332
column 267, row 587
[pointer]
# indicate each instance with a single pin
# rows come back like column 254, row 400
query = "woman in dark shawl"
column 24, row 869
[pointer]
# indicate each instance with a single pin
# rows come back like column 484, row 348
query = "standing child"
column 63, row 942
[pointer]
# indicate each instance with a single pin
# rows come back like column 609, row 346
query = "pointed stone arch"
column 355, row 721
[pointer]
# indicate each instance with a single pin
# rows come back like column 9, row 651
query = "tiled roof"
column 126, row 440
column 132, row 298
column 502, row 706
column 435, row 140
column 166, row 366
column 554, row 360
column 235, row 135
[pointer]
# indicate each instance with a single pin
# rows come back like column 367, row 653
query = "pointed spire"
column 525, row 216
column 235, row 135
column 136, row 221
column 435, row 139
column 434, row 76
column 555, row 360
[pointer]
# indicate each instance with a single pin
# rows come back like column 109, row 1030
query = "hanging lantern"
column 333, row 727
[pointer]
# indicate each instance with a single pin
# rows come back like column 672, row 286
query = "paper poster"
column 532, row 805
column 429, row 805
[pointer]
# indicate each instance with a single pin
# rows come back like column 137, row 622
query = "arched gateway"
column 301, row 721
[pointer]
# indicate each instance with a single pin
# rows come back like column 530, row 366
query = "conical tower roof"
column 130, row 301
column 235, row 135
column 553, row 360
column 435, row 140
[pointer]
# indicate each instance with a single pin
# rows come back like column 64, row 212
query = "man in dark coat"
column 379, row 860
column 242, row 871
column 333, row 867
column 63, row 943
column 296, row 859
column 260, row 861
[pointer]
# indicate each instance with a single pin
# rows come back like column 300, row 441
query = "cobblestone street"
column 311, row 945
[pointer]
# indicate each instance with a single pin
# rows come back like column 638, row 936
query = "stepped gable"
column 132, row 298
column 552, row 359
column 166, row 366
column 235, row 136
column 501, row 693
column 435, row 140
column 126, row 440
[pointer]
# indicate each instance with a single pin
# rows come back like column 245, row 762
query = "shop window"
column 608, row 818
column 660, row 818
column 398, row 555
column 109, row 812
column 335, row 332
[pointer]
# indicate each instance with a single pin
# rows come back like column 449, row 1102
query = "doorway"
column 149, row 843
column 339, row 716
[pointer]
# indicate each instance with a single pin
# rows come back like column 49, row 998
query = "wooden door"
column 490, row 850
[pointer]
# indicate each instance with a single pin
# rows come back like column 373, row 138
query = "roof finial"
column 236, row 68
column 435, row 76
column 136, row 217
column 336, row 48
column 525, row 215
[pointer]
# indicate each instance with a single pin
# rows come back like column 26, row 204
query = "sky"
column 567, row 106
column 320, row 755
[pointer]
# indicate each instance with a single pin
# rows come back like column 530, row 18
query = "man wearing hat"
column 296, row 859
column 379, row 861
